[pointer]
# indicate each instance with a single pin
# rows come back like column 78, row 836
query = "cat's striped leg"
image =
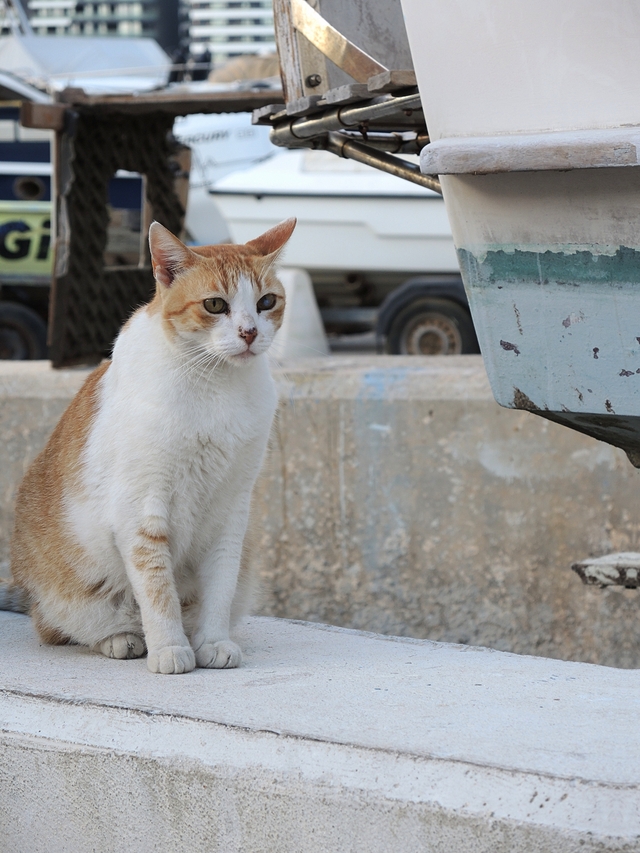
column 218, row 579
column 149, row 567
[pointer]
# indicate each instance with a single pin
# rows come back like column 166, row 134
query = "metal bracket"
column 335, row 130
column 293, row 132
column 332, row 44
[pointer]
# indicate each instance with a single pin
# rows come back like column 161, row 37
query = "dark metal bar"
column 341, row 145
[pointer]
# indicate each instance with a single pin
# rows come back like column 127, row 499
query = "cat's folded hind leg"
column 49, row 634
column 121, row 647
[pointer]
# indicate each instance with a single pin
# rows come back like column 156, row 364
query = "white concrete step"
column 325, row 740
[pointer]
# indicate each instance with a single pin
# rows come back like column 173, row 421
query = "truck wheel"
column 432, row 326
column 23, row 333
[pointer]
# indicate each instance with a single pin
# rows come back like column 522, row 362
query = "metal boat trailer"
column 94, row 137
column 526, row 119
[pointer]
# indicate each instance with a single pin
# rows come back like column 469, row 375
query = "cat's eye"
column 216, row 305
column 266, row 302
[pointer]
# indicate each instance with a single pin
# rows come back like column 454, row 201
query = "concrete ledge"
column 326, row 739
column 400, row 498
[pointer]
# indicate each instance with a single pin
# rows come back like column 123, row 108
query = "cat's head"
column 225, row 301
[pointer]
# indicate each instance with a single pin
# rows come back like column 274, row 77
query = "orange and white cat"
column 130, row 524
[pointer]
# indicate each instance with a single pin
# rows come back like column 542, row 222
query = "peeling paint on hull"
column 569, row 268
column 551, row 265
column 561, row 332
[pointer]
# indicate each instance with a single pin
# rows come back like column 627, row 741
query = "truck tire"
column 23, row 333
column 431, row 325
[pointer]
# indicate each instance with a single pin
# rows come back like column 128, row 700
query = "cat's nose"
column 249, row 335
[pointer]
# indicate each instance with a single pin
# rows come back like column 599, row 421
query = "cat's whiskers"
column 201, row 368
column 199, row 365
column 190, row 357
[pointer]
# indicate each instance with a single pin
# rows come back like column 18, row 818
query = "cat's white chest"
column 214, row 466
column 188, row 453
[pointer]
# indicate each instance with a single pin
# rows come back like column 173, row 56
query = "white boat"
column 361, row 234
column 533, row 117
column 350, row 217
column 220, row 143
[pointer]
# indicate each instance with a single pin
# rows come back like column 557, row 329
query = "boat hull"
column 555, row 300
column 534, row 138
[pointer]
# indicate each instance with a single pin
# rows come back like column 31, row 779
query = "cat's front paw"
column 172, row 660
column 224, row 654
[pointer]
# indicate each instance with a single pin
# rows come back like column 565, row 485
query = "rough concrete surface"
column 325, row 740
column 399, row 498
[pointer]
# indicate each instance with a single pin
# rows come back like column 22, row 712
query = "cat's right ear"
column 169, row 256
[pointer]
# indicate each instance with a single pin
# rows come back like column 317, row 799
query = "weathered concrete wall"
column 400, row 498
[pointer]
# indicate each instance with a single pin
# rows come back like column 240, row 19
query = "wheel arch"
column 23, row 332
column 443, row 287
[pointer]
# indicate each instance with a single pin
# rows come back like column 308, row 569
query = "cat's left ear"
column 169, row 256
column 271, row 243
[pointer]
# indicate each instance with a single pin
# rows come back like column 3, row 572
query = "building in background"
column 158, row 19
column 212, row 30
column 228, row 28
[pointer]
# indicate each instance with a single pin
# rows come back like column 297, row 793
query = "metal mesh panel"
column 90, row 301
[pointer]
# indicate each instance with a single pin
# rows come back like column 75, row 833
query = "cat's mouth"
column 245, row 355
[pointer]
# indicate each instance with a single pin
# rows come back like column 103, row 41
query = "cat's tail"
column 13, row 597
